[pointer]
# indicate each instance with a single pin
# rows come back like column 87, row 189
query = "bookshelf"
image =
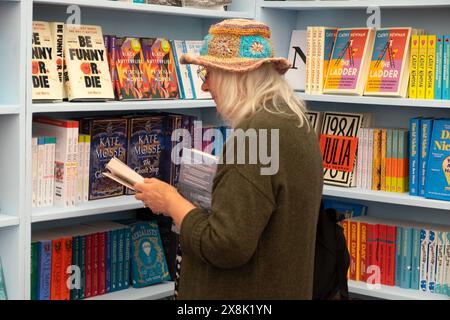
column 285, row 16
column 122, row 19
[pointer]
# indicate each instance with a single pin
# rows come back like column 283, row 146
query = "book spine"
column 398, row 257
column 34, row 175
column 382, row 252
column 127, row 258
column 365, row 146
column 438, row 67
column 372, row 245
column 414, row 156
column 120, row 258
column 446, row 278
column 402, row 180
column 74, row 292
column 82, row 253
column 45, row 270
column 431, row 67
column 395, row 160
column 67, row 244
column 95, row 265
column 359, row 160
column 406, row 257
column 80, row 171
column 88, row 268
column 308, row 60
column 388, row 159
column 56, row 276
column 345, row 227
column 51, row 195
column 102, row 263
column 353, row 250
column 424, row 239
column 108, row 262
column 191, row 76
column 426, row 129
column 47, row 172
column 431, row 261
column 445, row 69
column 414, row 63
column 383, row 159
column 114, row 245
column 320, row 59
column 34, row 270
column 415, row 259
column 422, row 67
column 391, row 254
column 363, row 251
column 87, row 159
column 370, row 154
column 314, row 60
column 439, row 261
column 376, row 165
column 178, row 70
column 41, row 172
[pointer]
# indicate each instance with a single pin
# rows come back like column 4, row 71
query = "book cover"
column 296, row 75
column 363, row 263
column 56, row 270
column 145, row 142
column 437, row 181
column 88, row 266
column 112, row 58
column 415, row 260
column 324, row 45
column 431, row 67
column 44, row 269
column 406, row 257
column 422, row 67
column 87, row 64
column 184, row 82
column 389, row 65
column 349, row 64
column 438, row 67
column 193, row 48
column 345, row 125
column 168, row 169
column 34, row 271
column 148, row 264
column 44, row 76
column 353, row 250
column 348, row 209
column 426, row 129
column 159, row 68
column 57, row 30
column 445, row 69
column 413, row 67
column 414, row 146
column 108, row 140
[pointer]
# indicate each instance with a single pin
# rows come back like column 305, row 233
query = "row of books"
column 430, row 158
column 402, row 254
column 86, row 260
column 79, row 63
column 3, row 293
column 354, row 61
column 143, row 141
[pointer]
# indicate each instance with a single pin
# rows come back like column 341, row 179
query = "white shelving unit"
column 285, row 16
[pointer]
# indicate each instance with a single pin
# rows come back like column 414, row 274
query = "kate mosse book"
column 45, row 80
column 88, row 76
column 121, row 173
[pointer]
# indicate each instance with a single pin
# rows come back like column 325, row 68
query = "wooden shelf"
column 150, row 8
column 155, row 292
column 354, row 4
column 148, row 105
column 396, row 102
column 385, row 197
column 8, row 221
column 89, row 208
column 392, row 293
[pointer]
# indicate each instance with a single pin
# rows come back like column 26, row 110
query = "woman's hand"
column 163, row 198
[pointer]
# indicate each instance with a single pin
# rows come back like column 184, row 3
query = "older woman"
column 258, row 240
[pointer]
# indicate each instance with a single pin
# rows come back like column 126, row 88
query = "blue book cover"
column 348, row 209
column 414, row 148
column 120, row 258
column 114, row 245
column 438, row 72
column 426, row 126
column 438, row 167
column 45, row 266
column 108, row 140
column 74, row 293
column 415, row 259
column 34, row 270
column 108, row 262
column 406, row 257
column 191, row 76
column 398, row 256
column 445, row 69
column 177, row 66
column 145, row 140
column 148, row 263
column 127, row 258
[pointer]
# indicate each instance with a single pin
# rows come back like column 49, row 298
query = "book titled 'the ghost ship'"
column 438, row 171
column 148, row 263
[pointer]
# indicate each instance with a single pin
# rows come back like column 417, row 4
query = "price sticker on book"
column 338, row 152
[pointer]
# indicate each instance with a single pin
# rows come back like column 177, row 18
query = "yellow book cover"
column 314, row 60
column 383, row 159
column 413, row 66
column 44, row 76
column 376, row 163
column 422, row 67
column 87, row 64
column 431, row 67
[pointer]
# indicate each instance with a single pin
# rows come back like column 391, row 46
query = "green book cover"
column 34, row 270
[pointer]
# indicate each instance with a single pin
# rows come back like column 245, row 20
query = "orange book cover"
column 353, row 250
column 376, row 163
column 362, row 239
column 383, row 159
column 66, row 260
column 56, row 270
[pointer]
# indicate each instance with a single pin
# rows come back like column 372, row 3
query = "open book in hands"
column 122, row 174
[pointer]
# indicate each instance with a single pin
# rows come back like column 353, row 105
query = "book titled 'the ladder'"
column 389, row 66
column 349, row 63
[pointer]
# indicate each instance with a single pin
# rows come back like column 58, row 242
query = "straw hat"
column 237, row 45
